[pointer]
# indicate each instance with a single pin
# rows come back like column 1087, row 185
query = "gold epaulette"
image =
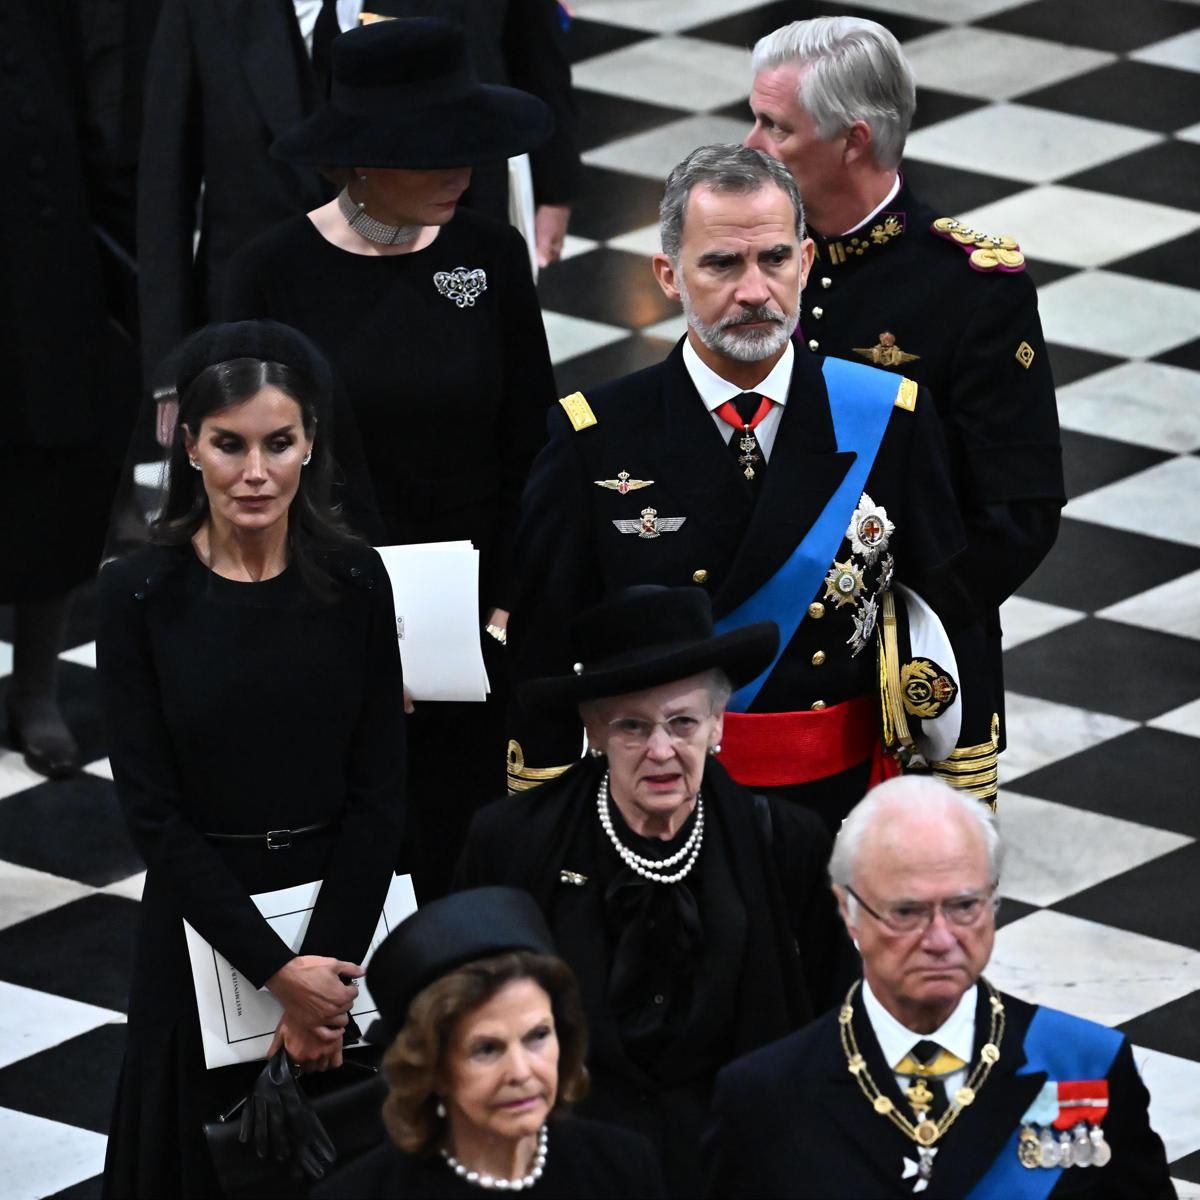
column 972, row 769
column 578, row 410
column 520, row 777
column 906, row 395
column 985, row 252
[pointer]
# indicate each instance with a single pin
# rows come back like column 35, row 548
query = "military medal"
column 864, row 626
column 869, row 529
column 651, row 524
column 923, row 1169
column 748, row 445
column 1068, row 1107
column 623, row 483
column 751, row 452
column 844, row 583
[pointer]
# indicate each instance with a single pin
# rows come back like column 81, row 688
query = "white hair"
column 856, row 72
column 911, row 794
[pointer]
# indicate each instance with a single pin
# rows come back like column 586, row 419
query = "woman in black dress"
column 250, row 672
column 487, row 1052
column 429, row 316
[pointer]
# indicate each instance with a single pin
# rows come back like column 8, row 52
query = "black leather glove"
column 279, row 1118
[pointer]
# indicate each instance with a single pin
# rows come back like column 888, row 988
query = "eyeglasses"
column 634, row 733
column 910, row 915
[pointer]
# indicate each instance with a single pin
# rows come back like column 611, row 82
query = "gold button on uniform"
column 818, row 705
column 818, row 659
column 826, row 282
column 814, row 345
column 700, row 576
column 818, row 313
column 816, row 610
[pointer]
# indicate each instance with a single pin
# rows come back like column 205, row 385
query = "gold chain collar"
column 925, row 1132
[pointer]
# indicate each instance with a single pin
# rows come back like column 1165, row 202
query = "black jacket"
column 794, row 954
column 653, row 425
column 790, row 1121
column 584, row 1161
column 959, row 332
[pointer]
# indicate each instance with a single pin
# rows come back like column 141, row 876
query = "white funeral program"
column 435, row 586
column 237, row 1020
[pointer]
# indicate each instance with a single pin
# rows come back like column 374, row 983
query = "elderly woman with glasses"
column 694, row 914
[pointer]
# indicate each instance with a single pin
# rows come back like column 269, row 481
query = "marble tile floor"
column 1075, row 126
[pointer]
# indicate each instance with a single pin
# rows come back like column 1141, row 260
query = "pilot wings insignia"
column 651, row 524
column 623, row 483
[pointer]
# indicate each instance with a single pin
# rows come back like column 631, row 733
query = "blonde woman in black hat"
column 486, row 1055
column 429, row 316
column 252, row 685
column 696, row 915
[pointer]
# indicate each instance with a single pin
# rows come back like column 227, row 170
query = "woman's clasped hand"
column 317, row 995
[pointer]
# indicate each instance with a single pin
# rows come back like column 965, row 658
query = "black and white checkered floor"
column 1075, row 126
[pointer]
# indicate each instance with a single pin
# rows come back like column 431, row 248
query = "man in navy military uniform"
column 927, row 1078
column 794, row 489
column 907, row 290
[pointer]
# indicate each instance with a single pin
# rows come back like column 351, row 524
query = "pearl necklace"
column 652, row 868
column 357, row 217
column 500, row 1184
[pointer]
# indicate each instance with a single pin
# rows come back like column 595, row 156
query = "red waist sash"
column 778, row 749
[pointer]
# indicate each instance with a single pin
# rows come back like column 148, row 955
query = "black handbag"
column 348, row 1101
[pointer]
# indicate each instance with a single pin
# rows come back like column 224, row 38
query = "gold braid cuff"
column 972, row 769
column 522, row 778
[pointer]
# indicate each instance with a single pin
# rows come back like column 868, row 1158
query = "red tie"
column 744, row 412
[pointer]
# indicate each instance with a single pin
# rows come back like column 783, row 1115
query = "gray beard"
column 743, row 345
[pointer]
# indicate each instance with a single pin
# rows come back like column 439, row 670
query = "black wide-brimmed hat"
column 449, row 933
column 404, row 94
column 649, row 635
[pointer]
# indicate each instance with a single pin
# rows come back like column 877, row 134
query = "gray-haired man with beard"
column 793, row 488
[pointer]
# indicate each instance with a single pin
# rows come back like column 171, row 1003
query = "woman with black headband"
column 251, row 680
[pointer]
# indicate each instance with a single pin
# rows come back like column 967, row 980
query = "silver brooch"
column 461, row 285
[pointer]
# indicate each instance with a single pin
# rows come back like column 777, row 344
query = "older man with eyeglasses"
column 927, row 1078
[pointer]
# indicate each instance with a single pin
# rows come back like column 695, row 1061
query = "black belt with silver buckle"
column 275, row 839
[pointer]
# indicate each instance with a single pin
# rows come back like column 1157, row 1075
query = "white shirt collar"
column 877, row 209
column 307, row 12
column 956, row 1033
column 714, row 390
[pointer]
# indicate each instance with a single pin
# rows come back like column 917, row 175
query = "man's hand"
column 549, row 230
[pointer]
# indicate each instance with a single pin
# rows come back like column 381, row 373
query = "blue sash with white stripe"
column 860, row 400
column 1065, row 1047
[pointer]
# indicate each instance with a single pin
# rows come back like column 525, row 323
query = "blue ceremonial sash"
column 1065, row 1047
column 861, row 399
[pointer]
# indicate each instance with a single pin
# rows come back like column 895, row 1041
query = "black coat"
column 653, row 425
column 585, row 1161
column 790, row 1121
column 965, row 328
column 225, row 79
column 794, row 954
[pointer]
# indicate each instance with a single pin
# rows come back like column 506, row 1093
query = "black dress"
column 585, row 1160
column 448, row 380
column 238, row 708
